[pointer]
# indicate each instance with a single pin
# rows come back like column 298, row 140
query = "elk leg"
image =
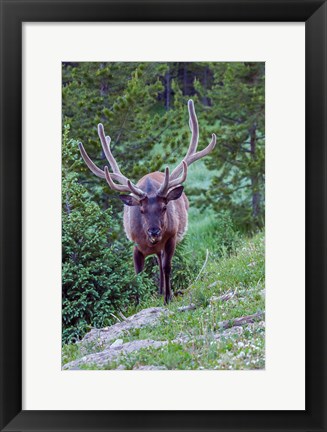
column 138, row 260
column 162, row 276
column 168, row 255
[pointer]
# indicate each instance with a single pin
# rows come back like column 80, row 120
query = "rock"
column 101, row 338
column 182, row 338
column 224, row 297
column 238, row 330
column 117, row 343
column 149, row 367
column 187, row 308
column 121, row 367
column 249, row 319
column 213, row 284
column 101, row 358
column 106, row 345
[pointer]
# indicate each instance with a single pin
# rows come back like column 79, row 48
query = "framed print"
column 236, row 340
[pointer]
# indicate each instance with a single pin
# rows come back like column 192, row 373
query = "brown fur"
column 173, row 229
column 176, row 218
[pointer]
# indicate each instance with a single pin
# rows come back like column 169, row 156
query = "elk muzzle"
column 154, row 235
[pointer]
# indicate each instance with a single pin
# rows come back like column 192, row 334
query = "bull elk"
column 155, row 211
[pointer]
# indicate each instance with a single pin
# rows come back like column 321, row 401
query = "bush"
column 97, row 273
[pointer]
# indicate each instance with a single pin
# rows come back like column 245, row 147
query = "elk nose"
column 154, row 232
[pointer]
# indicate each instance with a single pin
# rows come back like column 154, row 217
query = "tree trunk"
column 256, row 198
column 205, row 86
column 185, row 79
column 104, row 85
column 167, row 85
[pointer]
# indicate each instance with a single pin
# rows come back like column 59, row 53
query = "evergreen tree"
column 237, row 113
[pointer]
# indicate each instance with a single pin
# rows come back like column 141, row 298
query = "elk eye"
column 142, row 211
column 164, row 208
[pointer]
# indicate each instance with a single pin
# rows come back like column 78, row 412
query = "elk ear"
column 174, row 194
column 129, row 200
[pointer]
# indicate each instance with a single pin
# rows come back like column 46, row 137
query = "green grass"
column 208, row 347
column 201, row 233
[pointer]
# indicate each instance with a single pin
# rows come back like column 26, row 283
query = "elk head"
column 153, row 207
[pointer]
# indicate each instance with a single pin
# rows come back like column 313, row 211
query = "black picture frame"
column 13, row 14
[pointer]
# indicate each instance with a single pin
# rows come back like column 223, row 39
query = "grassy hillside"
column 226, row 287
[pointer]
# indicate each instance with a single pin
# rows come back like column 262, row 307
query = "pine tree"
column 237, row 113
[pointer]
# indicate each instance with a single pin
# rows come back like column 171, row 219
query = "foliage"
column 97, row 275
column 237, row 95
column 209, row 347
column 212, row 231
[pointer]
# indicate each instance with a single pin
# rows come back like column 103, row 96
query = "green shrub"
column 97, row 273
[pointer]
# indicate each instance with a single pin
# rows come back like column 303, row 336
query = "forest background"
column 143, row 107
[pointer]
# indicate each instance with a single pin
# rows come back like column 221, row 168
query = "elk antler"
column 192, row 155
column 125, row 184
column 168, row 183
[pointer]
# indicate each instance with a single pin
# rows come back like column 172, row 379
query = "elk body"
column 155, row 210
